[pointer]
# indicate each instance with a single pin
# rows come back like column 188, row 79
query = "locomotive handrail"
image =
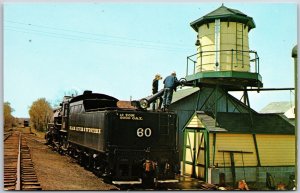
column 107, row 108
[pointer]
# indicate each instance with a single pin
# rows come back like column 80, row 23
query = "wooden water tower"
column 223, row 56
column 223, row 63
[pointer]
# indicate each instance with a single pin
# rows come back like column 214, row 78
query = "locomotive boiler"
column 126, row 145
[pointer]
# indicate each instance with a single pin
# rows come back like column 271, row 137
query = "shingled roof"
column 182, row 93
column 224, row 14
column 241, row 123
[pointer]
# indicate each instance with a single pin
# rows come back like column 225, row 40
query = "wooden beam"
column 234, row 151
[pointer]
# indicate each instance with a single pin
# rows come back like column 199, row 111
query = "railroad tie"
column 29, row 180
column 10, row 161
column 26, row 174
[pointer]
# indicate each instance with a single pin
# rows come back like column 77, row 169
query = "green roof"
column 224, row 14
column 241, row 123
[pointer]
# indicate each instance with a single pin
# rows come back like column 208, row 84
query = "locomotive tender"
column 127, row 145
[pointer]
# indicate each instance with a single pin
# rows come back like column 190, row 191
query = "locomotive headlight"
column 143, row 103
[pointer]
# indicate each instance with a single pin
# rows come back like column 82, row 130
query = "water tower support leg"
column 247, row 102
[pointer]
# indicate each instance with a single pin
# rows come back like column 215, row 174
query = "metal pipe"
column 187, row 66
column 145, row 102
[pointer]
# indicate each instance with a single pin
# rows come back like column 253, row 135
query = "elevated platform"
column 233, row 79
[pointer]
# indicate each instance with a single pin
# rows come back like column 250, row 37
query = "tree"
column 40, row 113
column 8, row 118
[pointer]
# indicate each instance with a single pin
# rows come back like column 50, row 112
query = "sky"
column 53, row 49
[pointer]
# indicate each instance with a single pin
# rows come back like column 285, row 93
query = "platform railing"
column 234, row 61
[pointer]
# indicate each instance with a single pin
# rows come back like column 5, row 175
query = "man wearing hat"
column 155, row 90
column 170, row 84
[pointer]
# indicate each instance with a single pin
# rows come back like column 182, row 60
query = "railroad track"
column 7, row 134
column 19, row 171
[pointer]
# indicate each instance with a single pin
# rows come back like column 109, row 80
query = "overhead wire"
column 94, row 34
column 97, row 38
column 96, row 41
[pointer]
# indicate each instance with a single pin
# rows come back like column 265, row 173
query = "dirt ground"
column 56, row 172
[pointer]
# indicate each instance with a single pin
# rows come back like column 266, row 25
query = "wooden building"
column 234, row 144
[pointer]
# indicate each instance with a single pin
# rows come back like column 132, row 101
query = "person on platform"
column 170, row 85
column 155, row 90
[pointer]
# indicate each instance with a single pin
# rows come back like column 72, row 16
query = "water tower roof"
column 225, row 14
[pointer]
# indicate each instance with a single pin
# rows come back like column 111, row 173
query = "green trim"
column 224, row 74
column 188, row 122
column 216, row 104
column 184, row 151
column 206, row 151
column 197, row 147
column 249, row 108
column 214, row 147
column 222, row 167
column 189, row 146
column 224, row 14
column 256, row 150
column 256, row 133
column 197, row 104
column 194, row 173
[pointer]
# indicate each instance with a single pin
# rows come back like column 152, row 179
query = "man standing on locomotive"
column 170, row 84
column 155, row 90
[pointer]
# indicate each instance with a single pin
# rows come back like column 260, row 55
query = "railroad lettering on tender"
column 130, row 116
column 85, row 129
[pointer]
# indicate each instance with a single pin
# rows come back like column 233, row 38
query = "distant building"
column 284, row 108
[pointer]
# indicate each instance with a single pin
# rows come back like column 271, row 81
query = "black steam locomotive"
column 127, row 145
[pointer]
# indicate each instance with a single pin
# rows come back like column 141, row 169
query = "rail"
column 232, row 57
column 19, row 173
column 18, row 182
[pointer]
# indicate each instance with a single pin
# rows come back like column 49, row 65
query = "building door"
column 195, row 153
